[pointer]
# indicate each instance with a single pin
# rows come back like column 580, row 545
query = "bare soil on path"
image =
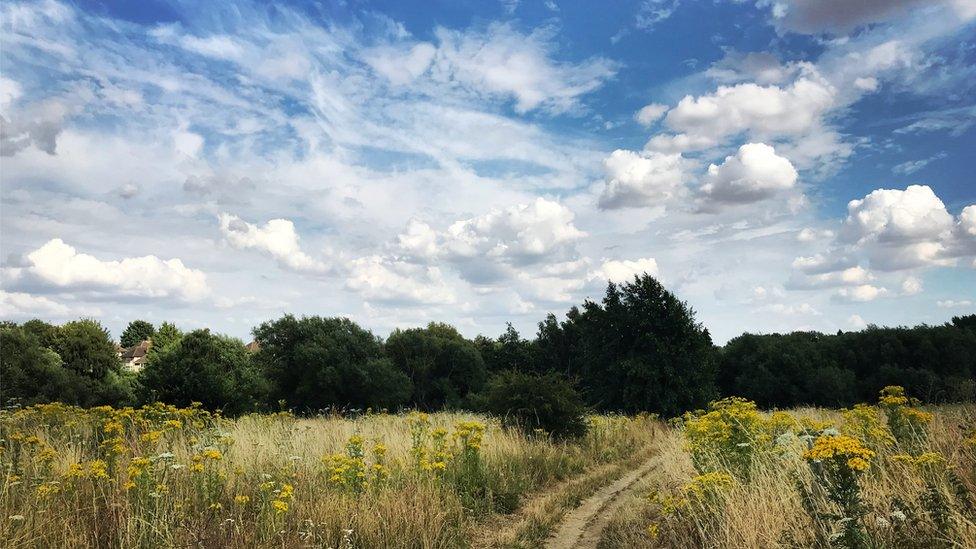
column 582, row 527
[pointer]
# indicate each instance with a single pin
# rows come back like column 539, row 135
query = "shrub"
column 546, row 402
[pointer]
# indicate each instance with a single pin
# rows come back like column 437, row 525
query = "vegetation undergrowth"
column 887, row 475
column 166, row 476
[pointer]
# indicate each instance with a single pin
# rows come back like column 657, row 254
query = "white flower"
column 898, row 514
column 16, row 518
column 883, row 522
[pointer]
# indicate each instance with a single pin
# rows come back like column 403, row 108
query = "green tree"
column 442, row 365
column 536, row 401
column 136, row 332
column 45, row 333
column 214, row 370
column 509, row 352
column 167, row 336
column 30, row 372
column 86, row 348
column 315, row 363
column 641, row 349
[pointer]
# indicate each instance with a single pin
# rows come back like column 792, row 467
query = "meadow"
column 165, row 476
column 890, row 474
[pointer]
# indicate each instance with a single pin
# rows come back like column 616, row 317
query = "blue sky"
column 779, row 164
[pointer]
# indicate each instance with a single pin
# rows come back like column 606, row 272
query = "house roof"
column 136, row 351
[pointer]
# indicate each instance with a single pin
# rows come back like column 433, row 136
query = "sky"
column 780, row 165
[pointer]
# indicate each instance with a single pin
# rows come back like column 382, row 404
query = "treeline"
column 934, row 363
column 638, row 349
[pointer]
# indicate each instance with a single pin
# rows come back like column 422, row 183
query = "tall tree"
column 641, row 349
column 509, row 352
column 315, row 363
column 30, row 372
column 86, row 348
column 214, row 370
column 167, row 336
column 136, row 332
column 442, row 365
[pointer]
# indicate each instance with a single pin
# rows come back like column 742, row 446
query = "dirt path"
column 581, row 528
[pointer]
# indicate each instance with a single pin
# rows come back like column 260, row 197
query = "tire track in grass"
column 582, row 527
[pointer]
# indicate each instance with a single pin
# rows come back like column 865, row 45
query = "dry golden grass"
column 907, row 505
column 137, row 478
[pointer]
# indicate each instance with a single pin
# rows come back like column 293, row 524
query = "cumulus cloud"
column 276, row 238
column 900, row 228
column 889, row 230
column 386, row 280
column 762, row 111
column 641, row 179
column 754, row 173
column 522, row 234
column 621, row 271
column 857, row 322
column 861, row 293
column 58, row 265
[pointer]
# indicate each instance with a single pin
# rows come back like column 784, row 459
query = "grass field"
column 890, row 475
column 162, row 476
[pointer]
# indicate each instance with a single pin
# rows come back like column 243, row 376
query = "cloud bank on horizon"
column 781, row 165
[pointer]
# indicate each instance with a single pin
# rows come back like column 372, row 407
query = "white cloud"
column 911, row 285
column 60, row 265
column 277, row 238
column 899, row 229
column 799, row 309
column 641, row 179
column 762, row 111
column 911, row 166
column 621, row 271
column 17, row 305
column 754, row 173
column 851, row 276
column 808, row 234
column 385, row 280
column 955, row 304
column 521, row 234
column 649, row 114
column 857, row 322
column 400, row 67
column 187, row 143
column 868, row 84
column 10, row 91
column 503, row 61
column 418, row 240
column 864, row 292
column 967, row 220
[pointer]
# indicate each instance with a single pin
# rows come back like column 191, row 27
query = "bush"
column 530, row 401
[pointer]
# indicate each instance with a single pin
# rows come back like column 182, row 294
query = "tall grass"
column 769, row 488
column 163, row 477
